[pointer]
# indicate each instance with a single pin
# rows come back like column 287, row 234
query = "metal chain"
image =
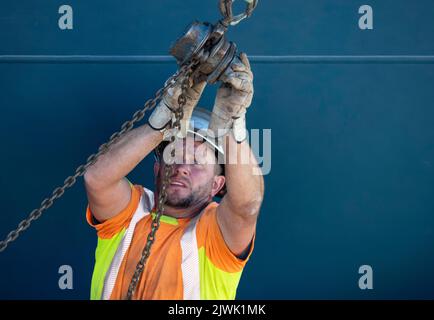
column 162, row 196
column 71, row 180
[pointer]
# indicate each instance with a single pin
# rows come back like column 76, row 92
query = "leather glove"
column 233, row 98
column 163, row 116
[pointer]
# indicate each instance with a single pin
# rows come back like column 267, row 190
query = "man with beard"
column 201, row 246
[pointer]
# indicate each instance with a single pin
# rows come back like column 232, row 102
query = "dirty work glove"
column 233, row 98
column 163, row 117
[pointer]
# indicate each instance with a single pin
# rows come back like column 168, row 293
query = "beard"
column 179, row 202
column 184, row 200
column 194, row 197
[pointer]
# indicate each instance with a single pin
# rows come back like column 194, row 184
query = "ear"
column 217, row 185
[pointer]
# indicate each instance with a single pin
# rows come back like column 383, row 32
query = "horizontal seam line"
column 252, row 58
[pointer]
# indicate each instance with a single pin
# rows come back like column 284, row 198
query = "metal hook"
column 225, row 7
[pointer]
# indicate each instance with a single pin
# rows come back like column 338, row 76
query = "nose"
column 181, row 169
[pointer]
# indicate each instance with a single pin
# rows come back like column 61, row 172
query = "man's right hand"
column 163, row 114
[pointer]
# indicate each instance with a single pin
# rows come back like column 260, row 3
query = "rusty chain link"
column 162, row 196
column 71, row 180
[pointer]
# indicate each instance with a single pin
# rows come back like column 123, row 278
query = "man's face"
column 195, row 177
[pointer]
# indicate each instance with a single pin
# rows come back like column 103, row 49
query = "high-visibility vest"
column 190, row 255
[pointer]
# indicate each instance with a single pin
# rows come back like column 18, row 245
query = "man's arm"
column 239, row 208
column 107, row 189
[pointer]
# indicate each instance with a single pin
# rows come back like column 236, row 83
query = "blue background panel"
column 352, row 178
column 278, row 27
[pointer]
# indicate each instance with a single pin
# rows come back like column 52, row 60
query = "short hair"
column 218, row 169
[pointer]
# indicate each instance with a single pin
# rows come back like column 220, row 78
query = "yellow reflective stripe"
column 166, row 219
column 216, row 284
column 104, row 253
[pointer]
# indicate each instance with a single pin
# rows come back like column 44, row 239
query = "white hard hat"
column 198, row 127
column 199, row 122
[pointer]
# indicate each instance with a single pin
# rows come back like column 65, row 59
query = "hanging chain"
column 71, row 180
column 162, row 195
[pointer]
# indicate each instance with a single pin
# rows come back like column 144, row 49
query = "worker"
column 203, row 242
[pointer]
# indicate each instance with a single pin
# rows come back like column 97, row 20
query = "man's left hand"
column 233, row 98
